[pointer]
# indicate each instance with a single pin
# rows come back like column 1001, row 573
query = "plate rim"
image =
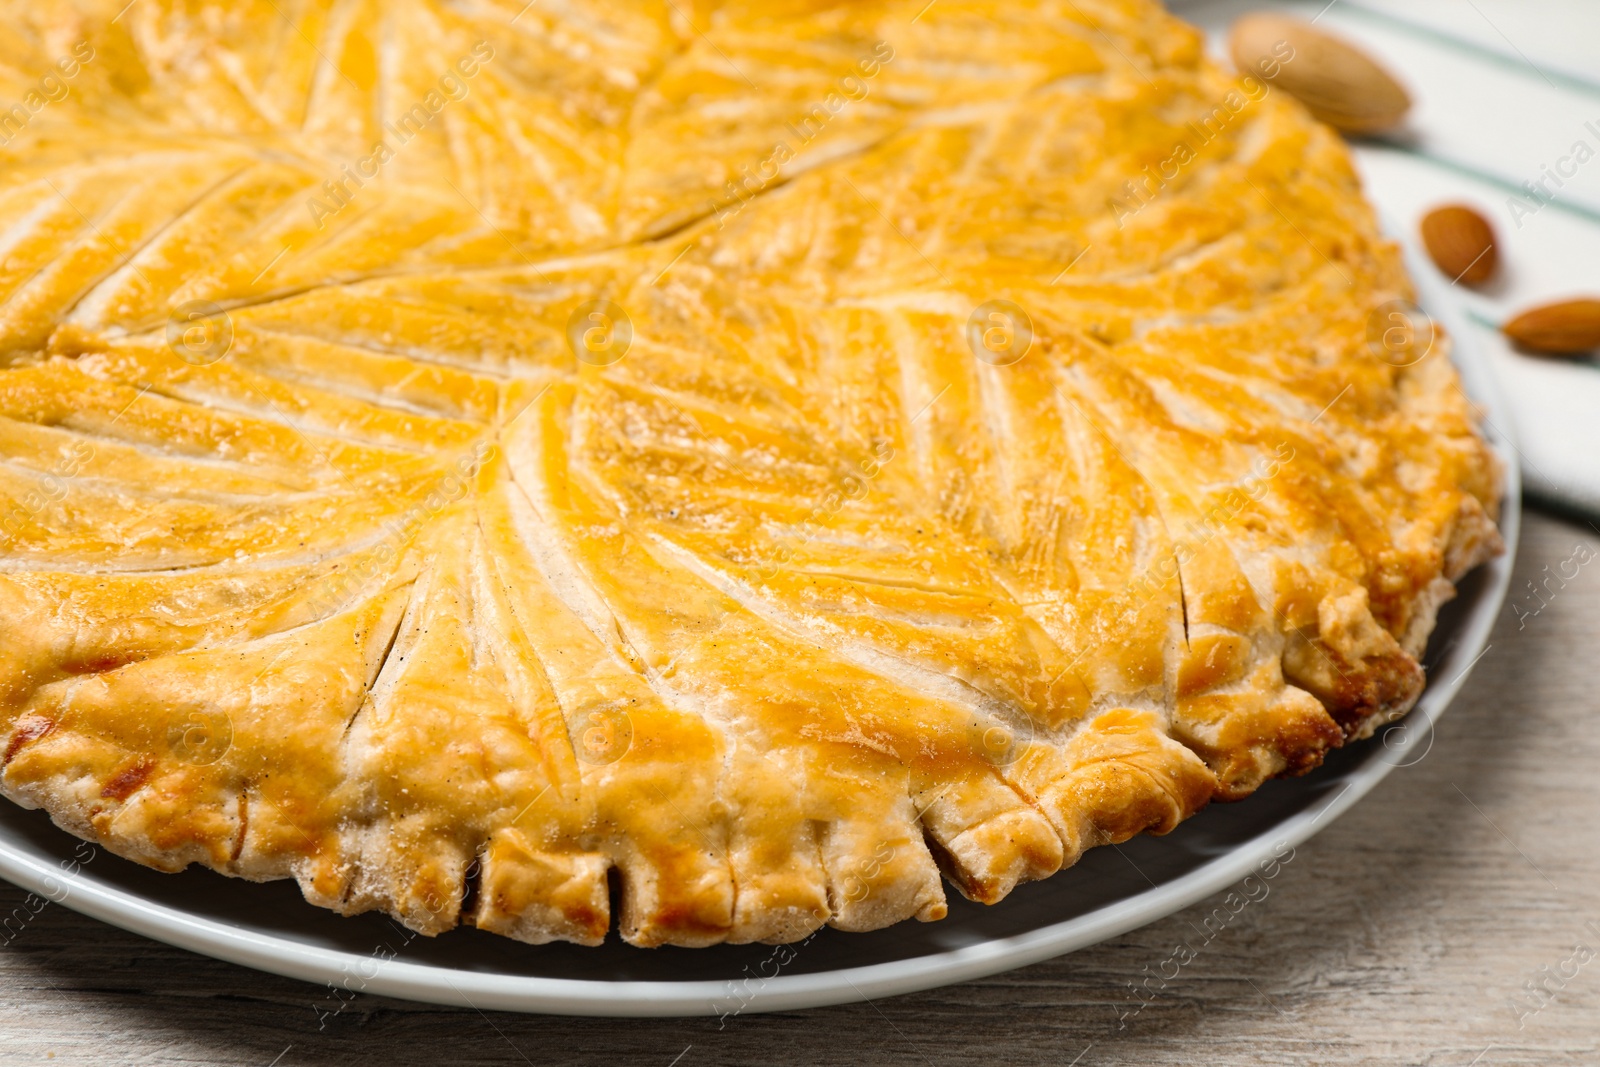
column 436, row 984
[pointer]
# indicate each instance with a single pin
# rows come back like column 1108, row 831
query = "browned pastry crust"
column 345, row 537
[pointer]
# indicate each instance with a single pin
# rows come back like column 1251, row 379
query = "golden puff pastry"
column 742, row 465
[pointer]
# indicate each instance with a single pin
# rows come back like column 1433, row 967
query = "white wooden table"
column 1415, row 930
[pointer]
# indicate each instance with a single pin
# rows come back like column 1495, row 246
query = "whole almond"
column 1567, row 327
column 1461, row 242
column 1339, row 83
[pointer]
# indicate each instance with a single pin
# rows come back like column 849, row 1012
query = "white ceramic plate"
column 1108, row 892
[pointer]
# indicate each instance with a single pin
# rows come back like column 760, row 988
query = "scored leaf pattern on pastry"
column 734, row 465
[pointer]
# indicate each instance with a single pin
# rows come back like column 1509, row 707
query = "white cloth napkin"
column 1504, row 91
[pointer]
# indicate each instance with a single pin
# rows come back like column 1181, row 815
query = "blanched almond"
column 1461, row 242
column 1568, row 327
column 1338, row 82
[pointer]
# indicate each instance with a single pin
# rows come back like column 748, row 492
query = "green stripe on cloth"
column 1518, row 63
column 1468, row 170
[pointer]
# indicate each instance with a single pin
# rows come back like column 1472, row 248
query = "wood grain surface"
column 1411, row 931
